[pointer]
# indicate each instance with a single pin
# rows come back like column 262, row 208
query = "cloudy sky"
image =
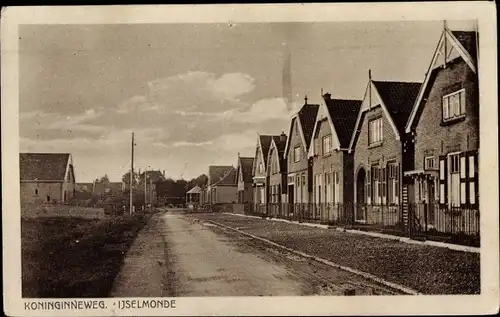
column 194, row 94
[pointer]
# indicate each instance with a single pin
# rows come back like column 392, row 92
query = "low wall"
column 34, row 211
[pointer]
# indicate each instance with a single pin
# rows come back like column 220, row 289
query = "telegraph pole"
column 145, row 187
column 132, row 175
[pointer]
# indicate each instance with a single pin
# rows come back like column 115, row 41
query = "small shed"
column 193, row 195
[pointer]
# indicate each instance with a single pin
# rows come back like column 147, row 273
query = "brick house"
column 299, row 169
column 444, row 128
column 277, row 171
column 46, row 177
column 245, row 193
column 259, row 173
column 332, row 163
column 218, row 191
column 379, row 152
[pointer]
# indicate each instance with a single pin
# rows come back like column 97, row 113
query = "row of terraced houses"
column 404, row 159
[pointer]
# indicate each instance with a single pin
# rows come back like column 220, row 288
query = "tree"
column 104, row 179
column 126, row 178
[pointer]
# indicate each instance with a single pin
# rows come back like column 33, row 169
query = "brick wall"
column 433, row 138
column 37, row 192
column 390, row 150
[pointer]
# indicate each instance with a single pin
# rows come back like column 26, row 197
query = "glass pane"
column 445, row 108
column 462, row 167
column 471, row 167
column 441, row 193
column 472, row 193
column 462, row 193
column 462, row 102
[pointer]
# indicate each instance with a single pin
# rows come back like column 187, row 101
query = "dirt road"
column 180, row 255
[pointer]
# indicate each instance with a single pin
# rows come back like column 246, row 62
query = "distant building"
column 222, row 185
column 193, row 196
column 105, row 188
column 277, row 170
column 245, row 194
column 46, row 177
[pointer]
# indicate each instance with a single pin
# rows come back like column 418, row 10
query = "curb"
column 455, row 247
column 401, row 288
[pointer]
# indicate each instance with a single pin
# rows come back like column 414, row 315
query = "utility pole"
column 145, row 187
column 132, row 175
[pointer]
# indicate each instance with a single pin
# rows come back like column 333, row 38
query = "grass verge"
column 74, row 257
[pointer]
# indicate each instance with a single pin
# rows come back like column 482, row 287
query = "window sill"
column 374, row 145
column 453, row 120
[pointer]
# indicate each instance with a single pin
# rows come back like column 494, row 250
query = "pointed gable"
column 454, row 44
column 398, row 98
column 230, row 178
column 245, row 168
column 43, row 166
column 343, row 113
column 307, row 118
column 279, row 144
column 265, row 144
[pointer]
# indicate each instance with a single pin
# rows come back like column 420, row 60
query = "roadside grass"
column 74, row 257
column 428, row 269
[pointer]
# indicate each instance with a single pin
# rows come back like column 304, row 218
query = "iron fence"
column 459, row 225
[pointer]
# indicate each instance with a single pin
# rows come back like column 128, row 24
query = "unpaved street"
column 180, row 255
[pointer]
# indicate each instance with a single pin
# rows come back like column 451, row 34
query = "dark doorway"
column 48, row 198
column 360, row 195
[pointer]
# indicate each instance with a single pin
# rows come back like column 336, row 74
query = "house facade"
column 380, row 155
column 46, row 178
column 299, row 168
column 277, row 173
column 222, row 185
column 444, row 128
column 259, row 173
column 333, row 188
column 245, row 193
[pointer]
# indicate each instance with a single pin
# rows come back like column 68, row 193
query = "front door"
column 360, row 195
column 430, row 201
column 291, row 198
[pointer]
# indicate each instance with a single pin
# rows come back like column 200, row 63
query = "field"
column 74, row 257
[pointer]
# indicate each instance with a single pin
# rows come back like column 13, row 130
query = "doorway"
column 360, row 195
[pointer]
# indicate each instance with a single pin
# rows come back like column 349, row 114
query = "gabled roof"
column 217, row 172
column 109, row 186
column 343, row 113
column 279, row 144
column 265, row 144
column 306, row 118
column 246, row 165
column 468, row 39
column 396, row 100
column 43, row 166
column 229, row 179
column 466, row 44
column 194, row 190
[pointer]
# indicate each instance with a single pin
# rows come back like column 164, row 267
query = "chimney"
column 305, row 99
column 327, row 96
column 282, row 136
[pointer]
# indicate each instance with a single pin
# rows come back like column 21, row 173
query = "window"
column 317, row 181
column 454, row 164
column 296, row 154
column 429, row 162
column 376, row 185
column 393, row 183
column 327, row 144
column 261, row 168
column 375, row 133
column 317, row 148
column 454, row 105
column 304, row 189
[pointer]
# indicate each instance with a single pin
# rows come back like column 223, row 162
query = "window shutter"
column 396, row 180
column 472, row 179
column 443, row 183
column 464, row 171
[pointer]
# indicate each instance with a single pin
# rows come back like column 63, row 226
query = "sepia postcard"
column 257, row 159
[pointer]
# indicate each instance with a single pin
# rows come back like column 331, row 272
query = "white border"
column 487, row 302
